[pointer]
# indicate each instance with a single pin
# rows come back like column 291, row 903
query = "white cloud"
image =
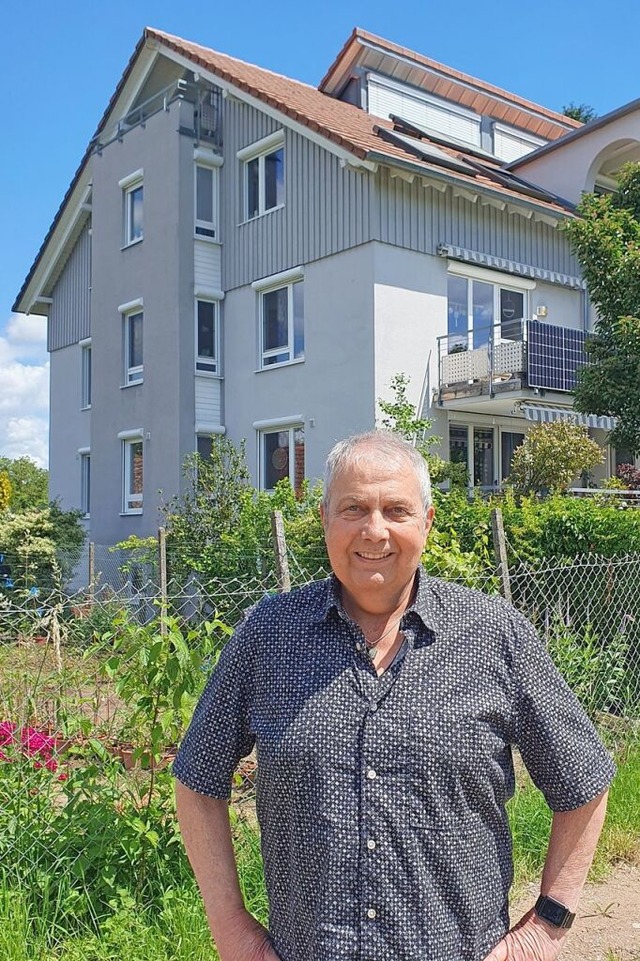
column 24, row 388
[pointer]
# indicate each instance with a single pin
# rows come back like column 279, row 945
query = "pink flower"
column 3, row 757
column 7, row 731
column 35, row 742
column 51, row 764
column 63, row 777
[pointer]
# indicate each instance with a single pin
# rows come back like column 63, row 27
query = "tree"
column 580, row 111
column 551, row 455
column 402, row 418
column 29, row 483
column 5, row 490
column 606, row 240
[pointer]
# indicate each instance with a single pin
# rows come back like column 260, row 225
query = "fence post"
column 92, row 571
column 162, row 568
column 500, row 550
column 280, row 551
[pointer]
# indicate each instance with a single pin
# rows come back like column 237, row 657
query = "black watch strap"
column 553, row 912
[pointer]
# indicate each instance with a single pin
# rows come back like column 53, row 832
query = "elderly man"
column 383, row 705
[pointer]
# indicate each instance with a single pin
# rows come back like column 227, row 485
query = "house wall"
column 572, row 170
column 69, row 314
column 333, row 389
column 160, row 270
column 421, row 218
column 326, row 205
column 69, row 426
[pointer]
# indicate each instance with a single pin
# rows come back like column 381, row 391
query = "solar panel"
column 554, row 356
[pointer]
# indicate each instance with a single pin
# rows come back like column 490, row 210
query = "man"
column 383, row 705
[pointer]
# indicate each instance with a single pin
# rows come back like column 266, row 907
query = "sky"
column 62, row 62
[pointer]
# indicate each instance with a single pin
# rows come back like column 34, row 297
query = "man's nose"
column 375, row 527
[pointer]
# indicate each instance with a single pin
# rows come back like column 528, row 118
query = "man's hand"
column 245, row 940
column 530, row 940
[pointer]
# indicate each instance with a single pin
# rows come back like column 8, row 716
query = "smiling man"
column 383, row 705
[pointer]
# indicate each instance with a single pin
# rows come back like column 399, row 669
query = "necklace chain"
column 373, row 645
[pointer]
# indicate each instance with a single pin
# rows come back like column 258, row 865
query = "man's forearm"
column 204, row 823
column 572, row 844
column 573, row 840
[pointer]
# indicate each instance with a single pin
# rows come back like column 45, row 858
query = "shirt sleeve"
column 219, row 734
column 558, row 743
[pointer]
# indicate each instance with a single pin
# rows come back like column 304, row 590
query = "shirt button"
column 371, row 774
column 373, row 706
column 371, row 844
column 372, row 913
column 358, row 646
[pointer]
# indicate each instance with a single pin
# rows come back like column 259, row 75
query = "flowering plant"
column 29, row 743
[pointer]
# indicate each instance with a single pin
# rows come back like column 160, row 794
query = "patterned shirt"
column 381, row 799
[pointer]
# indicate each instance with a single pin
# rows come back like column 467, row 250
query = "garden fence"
column 84, row 777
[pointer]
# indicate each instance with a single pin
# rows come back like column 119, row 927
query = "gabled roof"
column 443, row 81
column 349, row 127
column 368, row 139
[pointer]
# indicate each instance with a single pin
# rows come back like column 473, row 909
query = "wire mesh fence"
column 100, row 670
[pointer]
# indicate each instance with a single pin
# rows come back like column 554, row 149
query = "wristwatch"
column 553, row 912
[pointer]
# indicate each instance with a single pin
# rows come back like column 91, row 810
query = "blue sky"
column 63, row 59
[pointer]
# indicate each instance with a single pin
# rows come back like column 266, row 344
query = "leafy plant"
column 551, row 456
column 594, row 669
column 606, row 240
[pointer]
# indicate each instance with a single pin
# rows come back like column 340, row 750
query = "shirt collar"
column 423, row 607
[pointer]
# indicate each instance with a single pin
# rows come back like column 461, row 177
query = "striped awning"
column 550, row 415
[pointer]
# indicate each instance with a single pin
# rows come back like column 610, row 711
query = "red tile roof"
column 341, row 123
column 454, row 85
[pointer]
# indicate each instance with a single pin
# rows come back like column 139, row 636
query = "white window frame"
column 207, row 365
column 84, row 453
column 132, row 374
column 260, row 151
column 520, row 139
column 498, row 281
column 85, row 374
column 206, row 160
column 265, row 428
column 285, row 280
column 129, row 186
column 132, row 502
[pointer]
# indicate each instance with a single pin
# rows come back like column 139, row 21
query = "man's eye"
column 399, row 511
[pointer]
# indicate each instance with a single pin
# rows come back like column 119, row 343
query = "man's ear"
column 323, row 516
column 428, row 520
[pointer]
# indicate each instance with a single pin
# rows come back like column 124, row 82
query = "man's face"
column 375, row 528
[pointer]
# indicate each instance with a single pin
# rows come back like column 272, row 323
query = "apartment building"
column 242, row 253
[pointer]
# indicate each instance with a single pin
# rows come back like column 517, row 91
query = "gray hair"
column 383, row 443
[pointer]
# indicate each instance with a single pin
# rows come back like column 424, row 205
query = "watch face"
column 554, row 912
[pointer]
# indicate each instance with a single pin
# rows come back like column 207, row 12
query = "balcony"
column 201, row 117
column 515, row 356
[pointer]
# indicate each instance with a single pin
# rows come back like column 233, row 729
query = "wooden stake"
column 280, row 551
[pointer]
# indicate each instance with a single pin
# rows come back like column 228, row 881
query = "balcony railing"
column 522, row 353
column 203, row 120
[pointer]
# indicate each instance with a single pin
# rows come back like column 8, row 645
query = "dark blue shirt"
column 381, row 799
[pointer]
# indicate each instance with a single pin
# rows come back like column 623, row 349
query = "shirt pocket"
column 446, row 764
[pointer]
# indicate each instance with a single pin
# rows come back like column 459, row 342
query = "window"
column 207, row 336
column 133, row 207
column 85, row 481
column 85, row 349
column 483, row 475
column 281, row 322
column 132, row 337
column 132, row 473
column 509, row 442
column 204, row 445
column 263, row 175
column 206, row 184
column 479, row 311
column 282, row 456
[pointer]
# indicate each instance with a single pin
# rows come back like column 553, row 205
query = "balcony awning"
column 550, row 415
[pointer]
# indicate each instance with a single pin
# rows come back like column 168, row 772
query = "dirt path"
column 607, row 926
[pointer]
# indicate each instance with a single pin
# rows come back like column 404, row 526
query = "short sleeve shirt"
column 381, row 799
